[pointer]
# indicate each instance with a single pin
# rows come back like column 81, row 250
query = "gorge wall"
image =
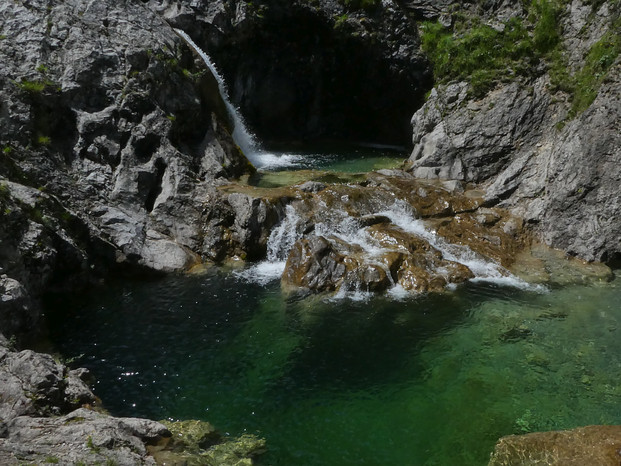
column 115, row 142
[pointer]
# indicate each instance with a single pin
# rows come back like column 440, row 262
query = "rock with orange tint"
column 584, row 446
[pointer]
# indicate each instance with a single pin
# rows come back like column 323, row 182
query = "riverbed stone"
column 596, row 445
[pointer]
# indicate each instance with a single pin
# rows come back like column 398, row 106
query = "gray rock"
column 559, row 174
column 80, row 436
column 35, row 384
column 472, row 140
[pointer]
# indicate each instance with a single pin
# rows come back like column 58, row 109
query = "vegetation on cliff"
column 485, row 54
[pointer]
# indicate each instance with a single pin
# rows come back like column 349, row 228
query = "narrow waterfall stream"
column 242, row 136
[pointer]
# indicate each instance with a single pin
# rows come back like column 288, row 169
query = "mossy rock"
column 195, row 443
column 192, row 435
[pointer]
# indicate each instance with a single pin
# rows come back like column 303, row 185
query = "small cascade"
column 284, row 236
column 484, row 270
column 280, row 242
column 348, row 230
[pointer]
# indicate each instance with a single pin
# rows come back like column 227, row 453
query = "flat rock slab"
column 591, row 445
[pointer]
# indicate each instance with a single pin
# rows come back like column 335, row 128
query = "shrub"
column 479, row 53
column 32, row 87
column 598, row 61
column 545, row 35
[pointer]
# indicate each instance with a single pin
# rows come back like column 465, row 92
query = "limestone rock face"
column 521, row 142
column 600, row 445
column 111, row 144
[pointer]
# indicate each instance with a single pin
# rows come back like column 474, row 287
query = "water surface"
column 431, row 380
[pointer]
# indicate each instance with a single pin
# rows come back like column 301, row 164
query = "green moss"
column 340, row 21
column 91, row 446
column 52, row 459
column 32, row 87
column 588, row 80
column 42, row 69
column 5, row 194
column 43, row 140
column 477, row 52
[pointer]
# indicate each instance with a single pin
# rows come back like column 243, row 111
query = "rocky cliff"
column 542, row 138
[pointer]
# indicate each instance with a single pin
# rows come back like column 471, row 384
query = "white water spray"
column 242, row 136
column 279, row 244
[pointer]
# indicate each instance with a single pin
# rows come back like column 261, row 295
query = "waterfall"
column 241, row 135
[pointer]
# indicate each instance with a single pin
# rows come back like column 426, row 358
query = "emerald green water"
column 433, row 380
column 336, row 157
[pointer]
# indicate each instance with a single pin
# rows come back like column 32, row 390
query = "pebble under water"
column 431, row 380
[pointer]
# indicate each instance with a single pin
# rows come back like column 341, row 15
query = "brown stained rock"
column 314, row 264
column 489, row 232
column 414, row 278
column 392, row 237
column 591, row 445
column 366, row 277
column 428, row 198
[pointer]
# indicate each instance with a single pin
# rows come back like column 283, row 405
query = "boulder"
column 596, row 445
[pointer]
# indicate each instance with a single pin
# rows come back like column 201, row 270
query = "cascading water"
column 484, row 270
column 339, row 224
column 242, row 136
column 279, row 244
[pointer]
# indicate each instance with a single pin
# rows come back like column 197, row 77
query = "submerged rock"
column 596, row 445
column 198, row 443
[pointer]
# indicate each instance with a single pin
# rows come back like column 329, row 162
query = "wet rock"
column 599, row 445
column 315, row 265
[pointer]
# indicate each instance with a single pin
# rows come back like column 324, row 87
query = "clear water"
column 433, row 380
column 334, row 157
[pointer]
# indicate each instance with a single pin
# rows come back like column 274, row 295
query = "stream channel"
column 395, row 379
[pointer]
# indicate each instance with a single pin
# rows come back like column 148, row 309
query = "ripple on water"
column 420, row 380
